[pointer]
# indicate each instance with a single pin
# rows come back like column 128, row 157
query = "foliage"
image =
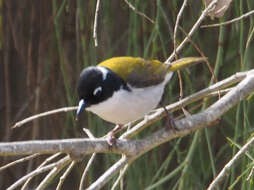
column 45, row 44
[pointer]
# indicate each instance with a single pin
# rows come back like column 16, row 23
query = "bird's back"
column 136, row 71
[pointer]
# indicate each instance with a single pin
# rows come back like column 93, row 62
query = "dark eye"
column 97, row 91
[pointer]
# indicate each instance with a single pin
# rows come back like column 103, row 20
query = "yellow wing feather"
column 124, row 66
column 137, row 71
column 140, row 72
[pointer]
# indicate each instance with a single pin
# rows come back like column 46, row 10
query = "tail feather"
column 185, row 62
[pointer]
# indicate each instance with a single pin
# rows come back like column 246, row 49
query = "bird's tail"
column 185, row 62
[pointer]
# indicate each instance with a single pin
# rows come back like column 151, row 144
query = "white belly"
column 124, row 106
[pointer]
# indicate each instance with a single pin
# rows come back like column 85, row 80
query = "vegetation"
column 45, row 44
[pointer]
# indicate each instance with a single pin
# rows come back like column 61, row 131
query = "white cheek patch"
column 97, row 90
column 104, row 72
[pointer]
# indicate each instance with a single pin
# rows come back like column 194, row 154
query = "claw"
column 111, row 135
column 111, row 140
column 170, row 120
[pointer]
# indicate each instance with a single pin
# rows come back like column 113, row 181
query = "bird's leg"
column 169, row 119
column 111, row 135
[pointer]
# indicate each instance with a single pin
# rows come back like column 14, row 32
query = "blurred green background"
column 45, row 44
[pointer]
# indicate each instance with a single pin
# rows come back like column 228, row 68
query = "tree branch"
column 95, row 23
column 230, row 21
column 134, row 148
column 39, row 171
column 193, row 29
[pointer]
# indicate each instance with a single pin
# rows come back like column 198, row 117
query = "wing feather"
column 136, row 71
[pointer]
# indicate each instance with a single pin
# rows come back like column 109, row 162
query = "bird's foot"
column 170, row 122
column 111, row 135
column 111, row 140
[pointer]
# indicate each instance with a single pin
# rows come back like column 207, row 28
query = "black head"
column 96, row 84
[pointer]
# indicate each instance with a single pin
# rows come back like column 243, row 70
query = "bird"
column 121, row 90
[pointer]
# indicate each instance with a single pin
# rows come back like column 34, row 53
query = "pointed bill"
column 81, row 107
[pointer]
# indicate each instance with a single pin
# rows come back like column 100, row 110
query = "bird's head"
column 96, row 84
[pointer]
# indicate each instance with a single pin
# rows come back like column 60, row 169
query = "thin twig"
column 216, row 93
column 193, row 29
column 66, row 173
column 180, row 84
column 41, row 165
column 99, row 183
column 96, row 23
column 215, row 183
column 37, row 172
column 37, row 116
column 214, row 78
column 212, row 94
column 19, row 161
column 89, row 134
column 82, row 180
column 181, row 90
column 52, row 174
column 249, row 38
column 122, row 172
column 89, row 163
column 138, row 12
column 250, row 174
column 201, row 53
column 179, row 15
column 230, row 21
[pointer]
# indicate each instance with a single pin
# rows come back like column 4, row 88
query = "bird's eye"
column 97, row 91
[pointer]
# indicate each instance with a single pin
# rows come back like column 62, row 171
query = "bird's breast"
column 126, row 106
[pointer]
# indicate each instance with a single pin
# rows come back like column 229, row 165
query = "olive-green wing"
column 137, row 71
